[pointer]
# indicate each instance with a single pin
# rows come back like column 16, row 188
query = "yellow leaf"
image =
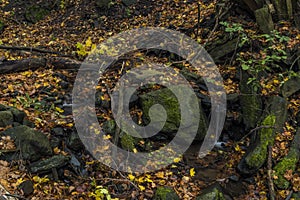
column 192, row 172
column 142, row 188
column 134, row 150
column 88, row 42
column 70, row 125
column 176, row 160
column 160, row 174
column 19, row 181
column 237, row 147
column 131, row 177
column 56, row 150
column 10, row 87
column 106, row 137
column 58, row 109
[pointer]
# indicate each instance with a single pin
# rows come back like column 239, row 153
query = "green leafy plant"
column 272, row 51
column 99, row 192
column 85, row 48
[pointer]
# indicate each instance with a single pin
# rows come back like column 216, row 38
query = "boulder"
column 213, row 192
column 47, row 165
column 169, row 102
column 6, row 118
column 289, row 162
column 32, row 144
column 290, row 87
column 165, row 193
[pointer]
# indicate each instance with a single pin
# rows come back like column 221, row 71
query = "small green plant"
column 84, row 49
column 99, row 192
column 272, row 51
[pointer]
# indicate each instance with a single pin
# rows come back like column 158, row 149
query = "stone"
column 169, row 102
column 129, row 2
column 33, row 144
column 74, row 141
column 213, row 192
column 257, row 152
column 26, row 187
column 290, row 87
column 264, row 20
column 165, row 193
column 48, row 164
column 109, row 127
column 18, row 114
column 251, row 103
column 6, row 118
column 289, row 162
column 35, row 13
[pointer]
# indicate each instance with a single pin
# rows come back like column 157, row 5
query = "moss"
column 287, row 163
column 257, row 157
column 165, row 193
column 127, row 142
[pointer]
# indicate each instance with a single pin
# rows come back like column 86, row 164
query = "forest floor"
column 73, row 30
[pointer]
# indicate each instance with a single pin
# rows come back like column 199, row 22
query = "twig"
column 30, row 49
column 294, row 62
column 221, row 13
column 16, row 196
column 235, row 49
column 255, row 129
column 198, row 20
column 270, row 180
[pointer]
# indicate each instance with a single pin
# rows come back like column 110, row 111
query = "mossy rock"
column 257, row 157
column 165, row 193
column 103, row 3
column 289, row 162
column 257, row 154
column 211, row 194
column 127, row 142
column 6, row 118
column 169, row 102
column 35, row 13
column 251, row 103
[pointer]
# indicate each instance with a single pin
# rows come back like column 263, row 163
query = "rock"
column 74, row 141
column 18, row 114
column 251, row 103
column 100, row 101
column 28, row 123
column 127, row 141
column 235, row 188
column 58, row 131
column 47, row 165
column 33, row 144
column 212, row 193
column 6, row 118
column 264, row 20
column 169, row 102
column 109, row 127
column 290, row 87
column 103, row 3
column 289, row 162
column 26, row 187
column 35, row 13
column 129, row 2
column 165, row 193
column 257, row 152
column 277, row 106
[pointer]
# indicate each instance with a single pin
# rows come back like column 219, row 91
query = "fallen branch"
column 12, row 66
column 31, row 49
